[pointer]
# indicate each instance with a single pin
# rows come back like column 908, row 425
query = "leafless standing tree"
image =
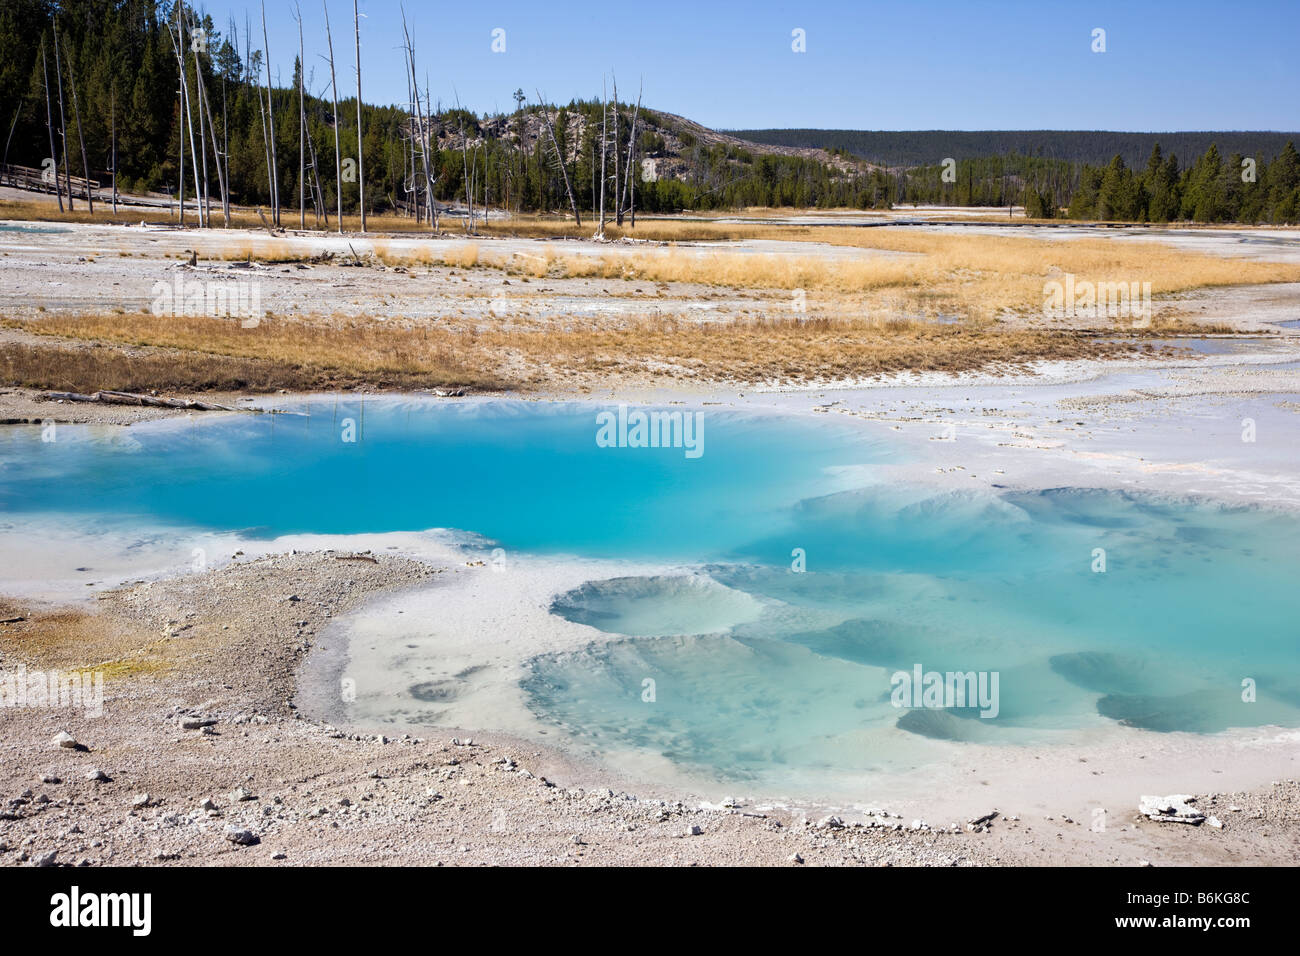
column 113, row 123
column 63, row 122
column 629, row 183
column 604, row 142
column 270, row 113
column 302, row 127
column 546, row 115
column 76, row 112
column 334, row 89
column 205, row 109
column 417, row 112
column 618, row 196
column 49, row 126
column 361, row 171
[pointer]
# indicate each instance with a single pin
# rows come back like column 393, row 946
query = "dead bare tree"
column 464, row 156
column 76, row 111
column 417, row 112
column 334, row 89
column 618, row 196
column 361, row 170
column 546, row 115
column 205, row 109
column 302, row 127
column 63, row 122
column 113, row 124
column 604, row 142
column 270, row 111
column 629, row 183
column 186, row 117
column 189, row 114
column 205, row 198
column 49, row 126
column 254, row 75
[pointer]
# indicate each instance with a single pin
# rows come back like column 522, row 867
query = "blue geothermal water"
column 813, row 585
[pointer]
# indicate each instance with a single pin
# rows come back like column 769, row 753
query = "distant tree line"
column 897, row 148
column 1211, row 189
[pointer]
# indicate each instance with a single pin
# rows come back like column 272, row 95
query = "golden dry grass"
column 198, row 353
column 35, row 210
column 901, row 272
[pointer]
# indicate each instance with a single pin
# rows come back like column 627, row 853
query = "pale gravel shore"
column 226, row 645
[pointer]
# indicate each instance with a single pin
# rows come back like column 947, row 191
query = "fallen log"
column 106, row 397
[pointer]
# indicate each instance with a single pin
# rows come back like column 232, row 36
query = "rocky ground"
column 201, row 757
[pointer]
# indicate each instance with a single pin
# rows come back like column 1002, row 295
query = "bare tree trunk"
column 189, row 115
column 76, row 111
column 618, row 195
column 604, row 142
column 180, row 128
column 49, row 126
column 361, row 169
column 546, row 114
column 225, row 141
column 266, row 140
column 469, row 196
column 302, row 129
column 334, row 89
column 113, row 114
column 414, row 88
column 63, row 122
column 205, row 108
column 222, row 179
column 270, row 115
column 203, row 143
column 430, row 144
column 629, row 184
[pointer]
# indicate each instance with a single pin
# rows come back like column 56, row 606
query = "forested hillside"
column 931, row 147
column 92, row 88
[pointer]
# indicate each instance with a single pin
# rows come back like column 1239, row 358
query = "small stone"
column 98, row 776
column 1172, row 809
column 45, row 859
column 279, row 855
column 140, row 801
column 1214, row 822
column 207, row 805
column 65, row 740
column 695, row 830
column 241, row 837
column 50, row 779
column 240, row 795
column 795, row 858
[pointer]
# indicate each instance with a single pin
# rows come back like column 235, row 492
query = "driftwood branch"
column 130, row 398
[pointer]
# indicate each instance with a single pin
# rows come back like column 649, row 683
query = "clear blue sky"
column 924, row 64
